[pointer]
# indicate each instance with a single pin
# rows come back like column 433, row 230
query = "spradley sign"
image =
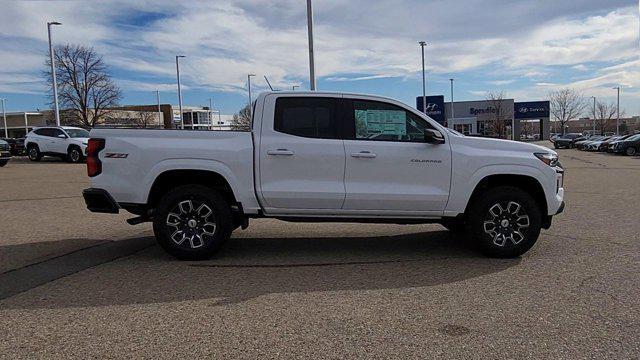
column 531, row 110
column 487, row 110
column 434, row 108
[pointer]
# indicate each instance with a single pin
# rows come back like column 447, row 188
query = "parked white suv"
column 323, row 156
column 66, row 142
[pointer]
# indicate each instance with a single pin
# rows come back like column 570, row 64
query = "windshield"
column 77, row 133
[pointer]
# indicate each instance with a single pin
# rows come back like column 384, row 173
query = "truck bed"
column 134, row 158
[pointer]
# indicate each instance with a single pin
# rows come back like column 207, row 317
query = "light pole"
column 312, row 70
column 618, row 111
column 424, row 82
column 594, row 114
column 250, row 100
column 179, row 90
column 452, row 112
column 4, row 117
column 53, row 73
column 159, row 111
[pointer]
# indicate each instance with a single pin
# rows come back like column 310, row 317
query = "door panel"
column 58, row 145
column 45, row 140
column 303, row 171
column 389, row 166
column 396, row 176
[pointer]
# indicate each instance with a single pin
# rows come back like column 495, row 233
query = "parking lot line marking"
column 35, row 199
column 16, row 281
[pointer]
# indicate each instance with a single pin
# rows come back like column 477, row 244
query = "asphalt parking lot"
column 79, row 285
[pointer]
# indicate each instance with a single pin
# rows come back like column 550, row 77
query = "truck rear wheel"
column 504, row 222
column 191, row 222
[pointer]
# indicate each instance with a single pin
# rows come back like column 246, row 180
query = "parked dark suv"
column 5, row 154
column 17, row 146
column 566, row 140
column 629, row 146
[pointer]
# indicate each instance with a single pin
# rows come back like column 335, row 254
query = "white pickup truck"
column 325, row 156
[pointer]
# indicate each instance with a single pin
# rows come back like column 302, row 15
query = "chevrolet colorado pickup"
column 324, row 156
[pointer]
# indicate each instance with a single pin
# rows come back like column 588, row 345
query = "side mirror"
column 433, row 137
column 62, row 136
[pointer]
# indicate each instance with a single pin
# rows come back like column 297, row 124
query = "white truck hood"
column 499, row 144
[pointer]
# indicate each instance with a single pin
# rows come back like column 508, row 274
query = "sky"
column 524, row 48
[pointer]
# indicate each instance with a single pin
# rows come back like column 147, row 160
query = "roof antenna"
column 268, row 83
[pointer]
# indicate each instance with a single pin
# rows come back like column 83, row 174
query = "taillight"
column 94, row 165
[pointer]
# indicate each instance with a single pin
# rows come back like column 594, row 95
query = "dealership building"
column 17, row 124
column 476, row 117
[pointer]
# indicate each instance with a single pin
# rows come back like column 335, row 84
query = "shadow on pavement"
column 251, row 267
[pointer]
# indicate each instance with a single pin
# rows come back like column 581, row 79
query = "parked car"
column 595, row 145
column 324, row 156
column 5, row 153
column 604, row 146
column 17, row 146
column 581, row 144
column 65, row 142
column 628, row 146
column 566, row 140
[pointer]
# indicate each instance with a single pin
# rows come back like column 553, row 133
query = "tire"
column 181, row 228
column 74, row 155
column 3, row 163
column 555, row 145
column 34, row 153
column 503, row 231
column 631, row 151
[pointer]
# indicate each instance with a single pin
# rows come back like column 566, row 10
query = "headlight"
column 548, row 158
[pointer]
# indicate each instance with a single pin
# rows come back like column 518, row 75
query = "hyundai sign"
column 435, row 107
column 531, row 110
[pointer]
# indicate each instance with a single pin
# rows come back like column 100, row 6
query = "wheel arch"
column 171, row 179
column 527, row 183
column 70, row 146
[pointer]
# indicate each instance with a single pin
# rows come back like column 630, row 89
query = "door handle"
column 283, row 152
column 364, row 154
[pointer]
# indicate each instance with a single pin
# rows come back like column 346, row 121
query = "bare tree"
column 242, row 120
column 146, row 118
column 605, row 118
column 566, row 104
column 497, row 117
column 85, row 87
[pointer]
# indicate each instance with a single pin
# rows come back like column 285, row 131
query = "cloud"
column 501, row 82
column 481, row 93
column 225, row 40
column 358, row 78
column 132, row 85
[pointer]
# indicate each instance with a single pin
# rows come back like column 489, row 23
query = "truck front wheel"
column 504, row 221
column 191, row 222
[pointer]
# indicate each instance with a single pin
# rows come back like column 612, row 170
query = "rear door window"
column 312, row 117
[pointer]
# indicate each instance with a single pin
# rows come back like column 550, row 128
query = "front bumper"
column 5, row 155
column 100, row 201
